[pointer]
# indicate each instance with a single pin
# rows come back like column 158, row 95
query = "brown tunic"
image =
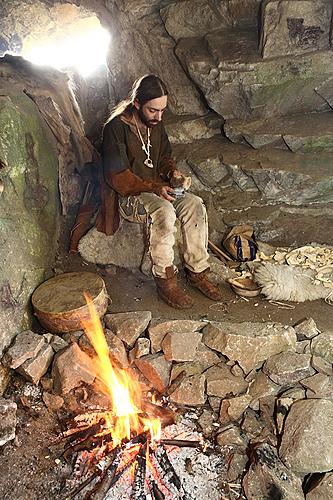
column 124, row 169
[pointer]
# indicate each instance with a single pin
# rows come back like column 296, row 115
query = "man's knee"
column 164, row 216
column 195, row 205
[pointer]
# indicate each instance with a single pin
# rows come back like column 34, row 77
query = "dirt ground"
column 29, row 468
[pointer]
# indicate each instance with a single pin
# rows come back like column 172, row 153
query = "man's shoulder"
column 115, row 128
column 115, row 122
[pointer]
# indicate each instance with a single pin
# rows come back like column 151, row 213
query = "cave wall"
column 42, row 149
column 29, row 207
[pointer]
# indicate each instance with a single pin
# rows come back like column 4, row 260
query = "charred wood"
column 181, row 443
column 156, row 493
column 138, row 489
column 168, row 473
column 105, row 484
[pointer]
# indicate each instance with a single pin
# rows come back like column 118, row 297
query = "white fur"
column 283, row 282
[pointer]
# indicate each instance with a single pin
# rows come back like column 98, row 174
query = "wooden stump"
column 60, row 305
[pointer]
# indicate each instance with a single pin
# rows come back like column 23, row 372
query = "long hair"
column 144, row 89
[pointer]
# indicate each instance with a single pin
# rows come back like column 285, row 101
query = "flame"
column 126, row 419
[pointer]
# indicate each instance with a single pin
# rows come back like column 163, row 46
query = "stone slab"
column 250, row 344
column 308, row 436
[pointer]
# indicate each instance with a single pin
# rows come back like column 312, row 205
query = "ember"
column 104, row 446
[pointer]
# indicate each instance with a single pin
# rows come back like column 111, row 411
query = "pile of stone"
column 262, row 391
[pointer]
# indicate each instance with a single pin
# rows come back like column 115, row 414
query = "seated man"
column 138, row 167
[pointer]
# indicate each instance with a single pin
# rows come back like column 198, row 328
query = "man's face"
column 152, row 111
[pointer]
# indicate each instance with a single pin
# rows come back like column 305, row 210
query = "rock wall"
column 29, row 208
column 42, row 144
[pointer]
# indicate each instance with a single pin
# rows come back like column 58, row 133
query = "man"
column 138, row 167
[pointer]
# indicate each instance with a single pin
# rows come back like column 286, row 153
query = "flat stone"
column 34, row 368
column 158, row 330
column 261, row 387
column 306, row 445
column 205, row 358
column 191, row 391
column 319, row 386
column 294, row 27
column 115, row 249
column 249, row 343
column 72, row 337
column 236, row 466
column 156, row 369
column 321, row 365
column 303, row 347
column 180, row 346
column 306, row 329
column 221, row 382
column 141, row 348
column 57, row 343
column 268, row 476
column 206, row 421
column 322, row 346
column 70, row 368
column 323, row 490
column 232, row 409
column 302, row 133
column 186, row 129
column 117, row 351
column 215, row 403
column 128, row 326
column 237, row 370
column 294, row 393
column 7, row 420
column 52, row 401
column 288, row 367
column 26, row 345
column 231, row 437
column 251, row 425
column 46, row 383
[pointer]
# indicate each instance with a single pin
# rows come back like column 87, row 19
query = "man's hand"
column 177, row 173
column 167, row 193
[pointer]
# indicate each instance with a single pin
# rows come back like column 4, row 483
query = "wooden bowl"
column 245, row 287
column 60, row 305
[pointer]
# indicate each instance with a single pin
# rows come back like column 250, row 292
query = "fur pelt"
column 284, row 282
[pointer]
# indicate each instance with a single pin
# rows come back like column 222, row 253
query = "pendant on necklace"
column 148, row 162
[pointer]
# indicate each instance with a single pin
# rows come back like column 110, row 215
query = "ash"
column 199, row 473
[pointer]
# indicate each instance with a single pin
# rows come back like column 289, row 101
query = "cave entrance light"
column 83, row 46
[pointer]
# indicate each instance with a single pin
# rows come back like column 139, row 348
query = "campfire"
column 125, row 441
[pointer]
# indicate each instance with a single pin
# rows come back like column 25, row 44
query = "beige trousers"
column 162, row 215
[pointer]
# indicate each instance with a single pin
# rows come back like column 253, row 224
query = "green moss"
column 29, row 206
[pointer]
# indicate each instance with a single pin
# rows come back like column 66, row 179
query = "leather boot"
column 169, row 291
column 202, row 283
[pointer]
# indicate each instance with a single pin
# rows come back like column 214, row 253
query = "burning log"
column 165, row 415
column 138, row 489
column 105, row 484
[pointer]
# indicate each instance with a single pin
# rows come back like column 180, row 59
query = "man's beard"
column 148, row 123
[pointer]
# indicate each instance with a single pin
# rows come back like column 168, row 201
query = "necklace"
column 146, row 147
